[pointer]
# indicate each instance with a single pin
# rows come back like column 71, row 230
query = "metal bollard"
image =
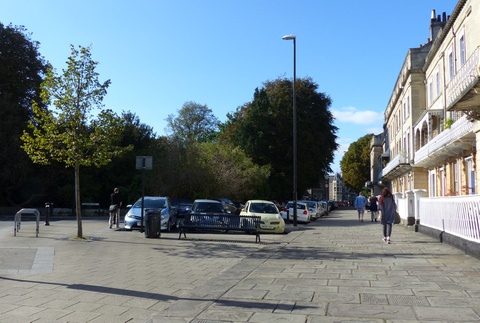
column 48, row 209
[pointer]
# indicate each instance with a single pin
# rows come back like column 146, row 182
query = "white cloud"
column 355, row 116
column 375, row 130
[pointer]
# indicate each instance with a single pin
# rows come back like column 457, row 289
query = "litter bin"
column 152, row 224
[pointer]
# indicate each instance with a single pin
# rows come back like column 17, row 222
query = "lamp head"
column 289, row 37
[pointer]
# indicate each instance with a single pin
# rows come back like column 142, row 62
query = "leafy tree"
column 263, row 129
column 194, row 123
column 205, row 169
column 355, row 164
column 21, row 72
column 235, row 175
column 121, row 171
column 70, row 133
column 179, row 171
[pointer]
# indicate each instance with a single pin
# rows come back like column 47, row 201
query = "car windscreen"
column 208, row 207
column 299, row 206
column 151, row 203
column 263, row 208
column 312, row 205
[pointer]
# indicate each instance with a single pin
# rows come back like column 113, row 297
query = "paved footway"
column 335, row 269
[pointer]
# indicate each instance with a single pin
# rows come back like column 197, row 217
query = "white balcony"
column 398, row 166
column 449, row 142
column 463, row 92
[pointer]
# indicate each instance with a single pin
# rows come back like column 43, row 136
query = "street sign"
column 144, row 162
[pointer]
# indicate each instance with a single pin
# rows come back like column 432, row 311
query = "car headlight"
column 279, row 216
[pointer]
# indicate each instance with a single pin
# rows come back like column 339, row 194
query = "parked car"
column 229, row 206
column 327, row 205
column 324, row 207
column 208, row 206
column 183, row 206
column 279, row 205
column 168, row 213
column 239, row 206
column 271, row 220
column 314, row 208
column 303, row 214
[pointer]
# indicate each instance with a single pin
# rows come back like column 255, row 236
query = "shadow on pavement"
column 159, row 297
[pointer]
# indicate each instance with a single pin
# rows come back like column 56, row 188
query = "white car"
column 271, row 221
column 314, row 208
column 303, row 214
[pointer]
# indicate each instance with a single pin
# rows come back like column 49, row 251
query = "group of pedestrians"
column 385, row 203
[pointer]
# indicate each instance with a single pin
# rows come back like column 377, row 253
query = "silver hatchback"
column 168, row 213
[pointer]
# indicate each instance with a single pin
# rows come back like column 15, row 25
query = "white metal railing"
column 456, row 215
column 447, row 137
column 466, row 76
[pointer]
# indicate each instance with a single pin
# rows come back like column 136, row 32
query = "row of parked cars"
column 307, row 210
column 273, row 218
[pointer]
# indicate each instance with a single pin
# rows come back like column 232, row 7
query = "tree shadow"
column 163, row 297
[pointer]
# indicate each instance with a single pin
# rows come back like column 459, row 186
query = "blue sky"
column 161, row 54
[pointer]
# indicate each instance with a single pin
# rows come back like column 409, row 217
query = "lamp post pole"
column 326, row 190
column 295, row 198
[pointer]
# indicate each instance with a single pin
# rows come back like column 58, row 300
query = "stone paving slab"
column 332, row 270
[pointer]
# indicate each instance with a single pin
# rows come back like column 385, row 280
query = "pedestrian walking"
column 114, row 210
column 360, row 202
column 388, row 207
column 373, row 207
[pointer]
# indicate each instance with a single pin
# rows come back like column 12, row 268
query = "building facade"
column 331, row 189
column 431, row 126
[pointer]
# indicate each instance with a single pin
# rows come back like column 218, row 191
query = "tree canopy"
column 263, row 129
column 355, row 164
column 71, row 133
column 194, row 123
column 21, row 71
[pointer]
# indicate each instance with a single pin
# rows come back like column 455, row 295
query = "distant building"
column 332, row 189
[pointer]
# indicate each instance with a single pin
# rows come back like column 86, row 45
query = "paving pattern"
column 335, row 269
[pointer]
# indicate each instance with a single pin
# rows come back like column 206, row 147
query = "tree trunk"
column 78, row 205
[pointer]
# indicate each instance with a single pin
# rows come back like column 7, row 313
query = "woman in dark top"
column 388, row 207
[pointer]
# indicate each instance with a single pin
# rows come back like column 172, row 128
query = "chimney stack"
column 437, row 24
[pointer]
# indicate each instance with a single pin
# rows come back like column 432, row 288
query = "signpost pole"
column 143, row 163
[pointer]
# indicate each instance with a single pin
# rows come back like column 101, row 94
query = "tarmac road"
column 335, row 269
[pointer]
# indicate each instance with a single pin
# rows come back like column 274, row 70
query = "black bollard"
column 47, row 213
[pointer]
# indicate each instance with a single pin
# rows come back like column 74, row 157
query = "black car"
column 230, row 208
column 208, row 206
column 183, row 206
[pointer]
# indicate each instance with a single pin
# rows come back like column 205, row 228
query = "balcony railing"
column 464, row 79
column 446, row 143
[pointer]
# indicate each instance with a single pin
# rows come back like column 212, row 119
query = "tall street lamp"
column 294, row 38
column 327, row 179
